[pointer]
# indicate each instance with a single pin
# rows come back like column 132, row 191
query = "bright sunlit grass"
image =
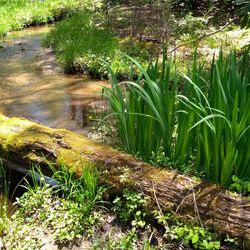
column 201, row 118
column 16, row 14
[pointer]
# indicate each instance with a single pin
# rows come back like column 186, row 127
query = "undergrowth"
column 174, row 234
column 82, row 49
column 63, row 210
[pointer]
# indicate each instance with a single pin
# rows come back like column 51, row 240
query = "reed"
column 221, row 111
column 201, row 118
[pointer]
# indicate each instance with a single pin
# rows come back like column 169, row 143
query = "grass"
column 223, row 119
column 80, row 50
column 16, row 14
column 201, row 118
column 64, row 210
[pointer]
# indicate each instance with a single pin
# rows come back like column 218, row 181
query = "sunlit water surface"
column 32, row 85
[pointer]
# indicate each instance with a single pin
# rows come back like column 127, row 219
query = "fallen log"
column 23, row 142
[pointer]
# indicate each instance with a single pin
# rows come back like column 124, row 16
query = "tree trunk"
column 23, row 142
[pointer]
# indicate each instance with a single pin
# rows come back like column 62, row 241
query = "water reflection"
column 32, row 85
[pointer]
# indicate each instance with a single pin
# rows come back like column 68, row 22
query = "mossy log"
column 23, row 142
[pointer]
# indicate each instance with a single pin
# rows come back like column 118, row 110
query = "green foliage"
column 240, row 186
column 147, row 246
column 190, row 27
column 244, row 13
column 127, row 242
column 200, row 119
column 65, row 209
column 16, row 14
column 188, row 234
column 195, row 236
column 65, row 218
column 191, row 235
column 82, row 189
column 221, row 124
column 142, row 51
column 218, row 10
column 129, row 208
column 139, row 105
column 79, row 49
column 233, row 38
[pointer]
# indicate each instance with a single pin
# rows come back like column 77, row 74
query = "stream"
column 32, row 84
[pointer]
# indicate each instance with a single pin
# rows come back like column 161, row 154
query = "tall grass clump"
column 82, row 189
column 142, row 121
column 65, row 183
column 222, row 118
column 200, row 118
column 79, row 43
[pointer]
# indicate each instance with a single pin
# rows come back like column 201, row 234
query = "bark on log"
column 23, row 141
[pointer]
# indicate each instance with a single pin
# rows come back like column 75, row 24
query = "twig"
column 196, row 211
column 195, row 206
column 157, row 202
column 203, row 36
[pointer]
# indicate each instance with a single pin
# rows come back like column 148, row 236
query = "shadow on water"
column 14, row 182
column 32, row 85
column 12, row 185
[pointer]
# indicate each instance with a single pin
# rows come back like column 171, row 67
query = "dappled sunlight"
column 34, row 86
column 152, row 155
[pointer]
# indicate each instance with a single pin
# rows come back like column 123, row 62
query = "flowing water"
column 32, row 85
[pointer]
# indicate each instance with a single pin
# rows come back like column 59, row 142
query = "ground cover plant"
column 155, row 230
column 64, row 211
column 199, row 119
column 61, row 207
column 16, row 14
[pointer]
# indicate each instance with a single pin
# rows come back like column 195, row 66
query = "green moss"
column 21, row 135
